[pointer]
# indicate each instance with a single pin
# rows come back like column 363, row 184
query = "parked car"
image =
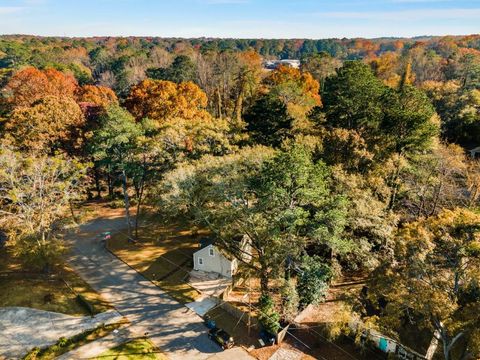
column 266, row 339
column 221, row 337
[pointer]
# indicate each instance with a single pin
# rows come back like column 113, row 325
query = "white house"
column 274, row 64
column 211, row 258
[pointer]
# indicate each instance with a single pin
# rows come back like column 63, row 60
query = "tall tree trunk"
column 139, row 191
column 264, row 282
column 110, row 183
column 126, row 200
column 96, row 176
column 72, row 212
column 139, row 204
column 219, row 103
column 437, row 198
column 239, row 102
column 432, row 349
column 264, row 276
column 394, row 187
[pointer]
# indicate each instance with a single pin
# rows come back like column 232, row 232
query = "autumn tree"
column 299, row 91
column 97, row 95
column 35, row 197
column 434, row 180
column 179, row 139
column 346, row 148
column 370, row 225
column 248, row 80
column 29, row 85
column 434, row 281
column 280, row 112
column 159, row 100
column 50, row 123
column 386, row 67
column 458, row 109
column 426, row 63
column 222, row 75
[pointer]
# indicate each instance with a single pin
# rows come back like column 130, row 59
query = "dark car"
column 221, row 337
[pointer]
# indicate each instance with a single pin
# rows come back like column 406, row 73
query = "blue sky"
column 240, row 18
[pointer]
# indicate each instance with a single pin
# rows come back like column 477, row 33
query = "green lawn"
column 136, row 349
column 163, row 254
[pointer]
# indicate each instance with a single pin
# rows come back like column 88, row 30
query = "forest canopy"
column 364, row 159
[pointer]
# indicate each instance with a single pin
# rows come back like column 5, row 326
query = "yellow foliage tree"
column 435, row 280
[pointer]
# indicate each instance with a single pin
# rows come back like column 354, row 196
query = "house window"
column 211, row 252
column 200, row 261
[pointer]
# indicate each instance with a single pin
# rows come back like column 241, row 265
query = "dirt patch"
column 343, row 290
column 234, row 326
column 55, row 292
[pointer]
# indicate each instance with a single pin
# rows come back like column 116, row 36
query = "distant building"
column 211, row 258
column 274, row 64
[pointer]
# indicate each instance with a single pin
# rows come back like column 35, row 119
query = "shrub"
column 290, row 300
column 314, row 280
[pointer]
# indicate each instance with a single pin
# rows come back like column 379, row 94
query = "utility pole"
column 249, row 305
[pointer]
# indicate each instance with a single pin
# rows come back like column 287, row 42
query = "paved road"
column 22, row 329
column 175, row 329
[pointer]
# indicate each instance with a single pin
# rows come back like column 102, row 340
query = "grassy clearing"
column 136, row 349
column 65, row 345
column 162, row 254
column 32, row 291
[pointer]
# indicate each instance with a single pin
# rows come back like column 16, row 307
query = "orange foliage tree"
column 289, row 75
column 97, row 95
column 48, row 124
column 30, row 85
column 160, row 100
